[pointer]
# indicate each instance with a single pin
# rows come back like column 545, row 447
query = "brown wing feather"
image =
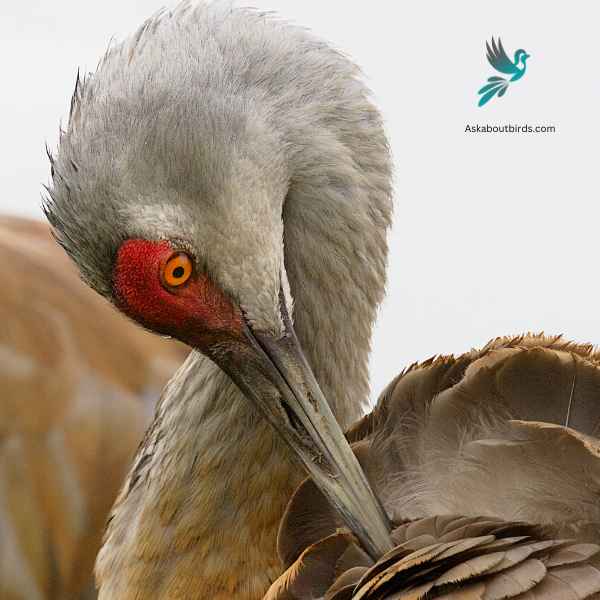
column 505, row 560
column 482, row 436
column 73, row 374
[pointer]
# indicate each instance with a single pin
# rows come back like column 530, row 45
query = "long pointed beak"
column 303, row 418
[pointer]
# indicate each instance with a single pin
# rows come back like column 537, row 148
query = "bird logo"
column 498, row 58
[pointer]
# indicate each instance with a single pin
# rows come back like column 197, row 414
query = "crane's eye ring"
column 177, row 270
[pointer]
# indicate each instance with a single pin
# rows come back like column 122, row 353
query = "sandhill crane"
column 223, row 173
column 77, row 381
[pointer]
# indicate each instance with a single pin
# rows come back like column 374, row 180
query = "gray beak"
column 302, row 416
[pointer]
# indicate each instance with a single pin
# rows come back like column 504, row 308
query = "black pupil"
column 178, row 272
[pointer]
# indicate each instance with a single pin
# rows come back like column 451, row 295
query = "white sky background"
column 493, row 234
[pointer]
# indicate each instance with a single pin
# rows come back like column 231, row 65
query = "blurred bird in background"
column 77, row 386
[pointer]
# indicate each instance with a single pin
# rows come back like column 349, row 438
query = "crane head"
column 168, row 192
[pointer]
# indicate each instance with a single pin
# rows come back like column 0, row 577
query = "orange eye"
column 177, row 270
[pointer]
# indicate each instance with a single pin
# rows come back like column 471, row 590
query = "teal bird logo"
column 499, row 60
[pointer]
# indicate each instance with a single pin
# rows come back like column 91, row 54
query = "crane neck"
column 335, row 258
column 202, row 505
column 199, row 513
